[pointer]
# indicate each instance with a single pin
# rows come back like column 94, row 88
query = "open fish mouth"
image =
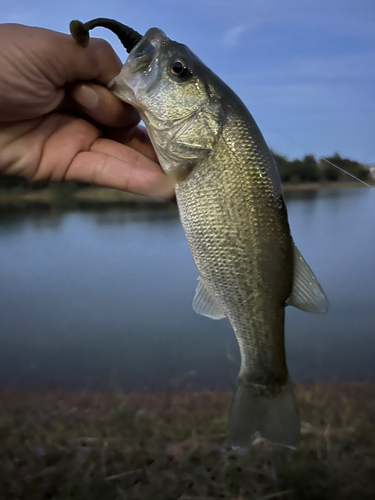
column 141, row 70
column 141, row 67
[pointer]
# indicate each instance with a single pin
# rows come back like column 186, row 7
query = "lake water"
column 102, row 298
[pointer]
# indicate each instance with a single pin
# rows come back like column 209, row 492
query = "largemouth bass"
column 234, row 216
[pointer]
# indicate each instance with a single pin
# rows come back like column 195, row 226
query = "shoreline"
column 312, row 186
column 56, row 196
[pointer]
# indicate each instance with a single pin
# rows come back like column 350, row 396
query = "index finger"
column 99, row 168
column 97, row 62
column 58, row 57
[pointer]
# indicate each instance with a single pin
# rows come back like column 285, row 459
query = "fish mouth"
column 141, row 69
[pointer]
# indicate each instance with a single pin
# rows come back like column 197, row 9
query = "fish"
column 233, row 213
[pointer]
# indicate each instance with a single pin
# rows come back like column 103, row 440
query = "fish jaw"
column 140, row 70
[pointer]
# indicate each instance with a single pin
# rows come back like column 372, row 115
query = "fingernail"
column 86, row 96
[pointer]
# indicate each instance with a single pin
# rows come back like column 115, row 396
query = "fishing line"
column 319, row 157
column 345, row 172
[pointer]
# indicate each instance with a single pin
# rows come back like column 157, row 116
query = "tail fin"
column 253, row 415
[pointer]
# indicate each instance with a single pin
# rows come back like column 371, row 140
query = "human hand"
column 59, row 122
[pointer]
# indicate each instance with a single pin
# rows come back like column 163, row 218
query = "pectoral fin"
column 306, row 294
column 205, row 304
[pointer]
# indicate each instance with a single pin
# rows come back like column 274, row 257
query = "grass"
column 171, row 445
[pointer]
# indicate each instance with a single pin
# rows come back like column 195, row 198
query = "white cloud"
column 231, row 36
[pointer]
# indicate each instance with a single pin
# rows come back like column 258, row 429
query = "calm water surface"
column 91, row 300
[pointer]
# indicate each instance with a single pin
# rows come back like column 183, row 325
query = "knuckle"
column 100, row 169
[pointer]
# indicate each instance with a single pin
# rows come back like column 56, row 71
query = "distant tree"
column 13, row 181
column 332, row 173
column 8, row 182
column 283, row 166
column 305, row 170
column 297, row 170
column 310, row 169
column 329, row 172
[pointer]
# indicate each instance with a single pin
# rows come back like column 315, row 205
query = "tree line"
column 307, row 169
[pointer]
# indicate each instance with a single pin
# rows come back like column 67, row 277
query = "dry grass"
column 171, row 446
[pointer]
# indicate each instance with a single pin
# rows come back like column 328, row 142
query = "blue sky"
column 304, row 68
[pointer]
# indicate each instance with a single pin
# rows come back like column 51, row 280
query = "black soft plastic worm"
column 80, row 32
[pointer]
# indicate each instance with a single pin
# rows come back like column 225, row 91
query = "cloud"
column 232, row 35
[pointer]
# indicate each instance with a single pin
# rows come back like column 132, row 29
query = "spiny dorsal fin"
column 306, row 294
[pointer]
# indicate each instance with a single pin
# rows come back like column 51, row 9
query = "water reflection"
column 308, row 194
column 47, row 217
column 93, row 298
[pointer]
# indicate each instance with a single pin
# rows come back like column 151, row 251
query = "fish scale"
column 230, row 257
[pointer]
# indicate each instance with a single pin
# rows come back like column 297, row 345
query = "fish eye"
column 179, row 68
